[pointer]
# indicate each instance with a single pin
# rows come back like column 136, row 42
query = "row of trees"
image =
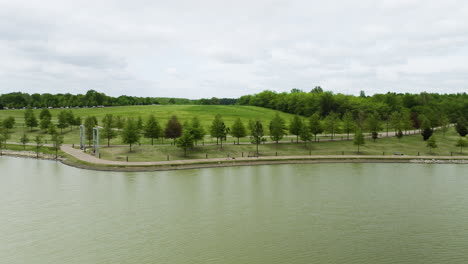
column 94, row 98
column 190, row 133
column 435, row 107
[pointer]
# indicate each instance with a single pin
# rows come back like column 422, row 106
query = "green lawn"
column 205, row 113
column 408, row 145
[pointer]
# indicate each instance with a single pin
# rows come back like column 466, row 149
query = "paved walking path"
column 79, row 154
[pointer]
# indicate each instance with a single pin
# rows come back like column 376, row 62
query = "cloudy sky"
column 220, row 48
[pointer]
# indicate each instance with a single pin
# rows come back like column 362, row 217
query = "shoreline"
column 216, row 163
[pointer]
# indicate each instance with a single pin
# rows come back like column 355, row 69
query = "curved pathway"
column 79, row 154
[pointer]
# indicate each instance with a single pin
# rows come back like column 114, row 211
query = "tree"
column 44, row 123
column 39, row 142
column 399, row 134
column 426, row 128
column 89, row 123
column 185, row 141
column 431, row 143
column 315, row 126
column 152, row 129
column 119, row 122
column 173, row 128
column 295, row 127
column 443, row 123
column 45, row 113
column 139, row 123
column 71, row 120
column 331, row 124
column 238, row 129
column 107, row 131
column 196, row 129
column 277, row 128
column 256, row 133
column 348, row 123
column 62, row 120
column 57, row 141
column 305, row 135
column 396, row 121
column 130, row 133
column 30, row 119
column 461, row 126
column 218, row 129
column 24, row 140
column 358, row 139
column 8, row 123
column 373, row 124
column 462, row 143
column 52, row 129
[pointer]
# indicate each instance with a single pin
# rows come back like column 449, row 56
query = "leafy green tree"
column 44, row 123
column 256, row 133
column 71, row 120
column 399, row 134
column 152, row 129
column 295, row 126
column 331, row 124
column 185, row 141
column 24, row 140
column 238, row 129
column 62, row 121
column 396, row 121
column 173, row 128
column 431, row 143
column 119, row 122
column 305, row 135
column 107, row 131
column 39, row 143
column 45, row 113
column 358, row 139
column 30, row 118
column 277, row 128
column 426, row 128
column 8, row 123
column 461, row 126
column 443, row 123
column 348, row 123
column 462, row 143
column 52, row 129
column 89, row 123
column 57, row 141
column 315, row 126
column 139, row 123
column 196, row 129
column 218, row 129
column 373, row 124
column 130, row 133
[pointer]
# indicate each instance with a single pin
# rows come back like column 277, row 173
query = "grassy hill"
column 205, row 113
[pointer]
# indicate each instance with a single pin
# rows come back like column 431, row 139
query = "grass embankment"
column 408, row 145
column 205, row 114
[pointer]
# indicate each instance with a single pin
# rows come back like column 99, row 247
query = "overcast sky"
column 196, row 49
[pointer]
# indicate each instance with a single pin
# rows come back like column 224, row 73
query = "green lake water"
column 313, row 213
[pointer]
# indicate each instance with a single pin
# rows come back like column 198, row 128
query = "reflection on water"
column 313, row 213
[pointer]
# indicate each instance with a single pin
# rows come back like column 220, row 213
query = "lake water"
column 314, row 213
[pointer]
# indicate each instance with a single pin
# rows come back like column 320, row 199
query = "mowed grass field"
column 408, row 145
column 205, row 114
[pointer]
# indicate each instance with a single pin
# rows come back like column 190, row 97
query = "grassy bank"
column 205, row 113
column 408, row 145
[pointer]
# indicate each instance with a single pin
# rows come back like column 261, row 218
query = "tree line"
column 93, row 98
column 433, row 106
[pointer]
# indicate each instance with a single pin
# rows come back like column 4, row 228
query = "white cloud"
column 226, row 49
